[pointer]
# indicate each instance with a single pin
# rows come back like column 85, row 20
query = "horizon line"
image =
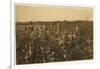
column 53, row 20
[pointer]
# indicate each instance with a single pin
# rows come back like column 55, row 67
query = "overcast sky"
column 49, row 13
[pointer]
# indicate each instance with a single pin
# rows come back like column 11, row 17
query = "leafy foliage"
column 40, row 42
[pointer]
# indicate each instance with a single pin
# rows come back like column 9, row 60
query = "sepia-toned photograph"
column 46, row 34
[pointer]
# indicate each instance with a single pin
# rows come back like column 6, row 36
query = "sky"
column 51, row 13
